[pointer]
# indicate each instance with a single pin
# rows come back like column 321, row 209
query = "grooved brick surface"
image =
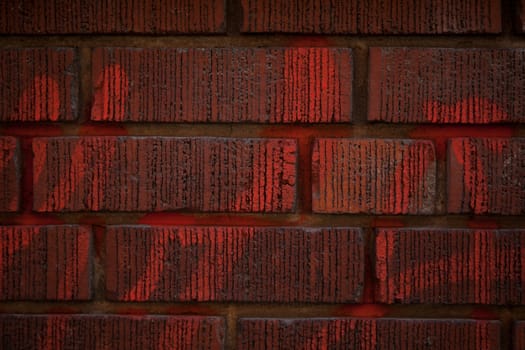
column 486, row 175
column 355, row 333
column 374, row 176
column 38, row 84
column 115, row 16
column 239, row 264
column 372, row 17
column 261, row 85
column 45, row 262
column 9, row 174
column 454, row 266
column 442, row 85
column 164, row 173
column 519, row 335
column 100, row 332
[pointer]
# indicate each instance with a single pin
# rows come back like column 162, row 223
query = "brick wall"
column 256, row 174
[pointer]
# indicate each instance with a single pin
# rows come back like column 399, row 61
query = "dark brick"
column 520, row 11
column 450, row 266
column 442, row 85
column 164, row 173
column 101, row 332
column 234, row 264
column 355, row 333
column 38, row 84
column 519, row 335
column 374, row 176
column 372, row 17
column 277, row 85
column 116, row 16
column 9, row 174
column 45, row 263
column 486, row 176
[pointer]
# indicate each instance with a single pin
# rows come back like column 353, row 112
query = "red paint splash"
column 111, row 94
column 43, row 94
column 362, row 310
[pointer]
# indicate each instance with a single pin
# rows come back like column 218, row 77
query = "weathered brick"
column 99, row 332
column 444, row 85
column 355, row 333
column 450, row 266
column 9, row 174
column 262, row 85
column 234, row 264
column 519, row 335
column 164, row 173
column 372, row 17
column 38, row 84
column 116, row 16
column 45, row 262
column 486, row 176
column 375, row 176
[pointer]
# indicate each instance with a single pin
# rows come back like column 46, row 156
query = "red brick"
column 239, row 264
column 372, row 17
column 485, row 176
column 355, row 333
column 45, row 263
column 99, row 332
column 164, row 173
column 450, row 266
column 442, row 85
column 520, row 11
column 374, row 176
column 39, row 84
column 9, row 174
column 519, row 335
column 116, row 16
column 277, row 85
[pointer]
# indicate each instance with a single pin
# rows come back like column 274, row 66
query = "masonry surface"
column 255, row 174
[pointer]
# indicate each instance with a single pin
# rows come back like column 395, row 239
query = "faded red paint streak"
column 106, row 129
column 111, row 95
column 464, row 110
column 440, row 134
column 484, row 313
column 43, row 94
column 362, row 310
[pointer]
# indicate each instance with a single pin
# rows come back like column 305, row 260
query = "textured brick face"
column 223, row 85
column 371, row 17
column 99, row 332
column 519, row 335
column 373, row 176
column 45, row 263
column 164, row 173
column 9, row 174
column 433, row 266
column 116, row 16
column 486, row 176
column 234, row 264
column 441, row 85
column 38, row 84
column 348, row 333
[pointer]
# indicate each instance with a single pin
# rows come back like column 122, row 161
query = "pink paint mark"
column 40, row 101
column 112, row 89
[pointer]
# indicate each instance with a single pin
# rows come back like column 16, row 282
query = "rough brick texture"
column 371, row 17
column 38, row 84
column 116, row 16
column 442, row 85
column 45, row 263
column 164, row 173
column 486, row 175
column 9, row 174
column 519, row 335
column 373, row 176
column 234, row 264
column 222, row 85
column 454, row 266
column 99, row 332
column 348, row 333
